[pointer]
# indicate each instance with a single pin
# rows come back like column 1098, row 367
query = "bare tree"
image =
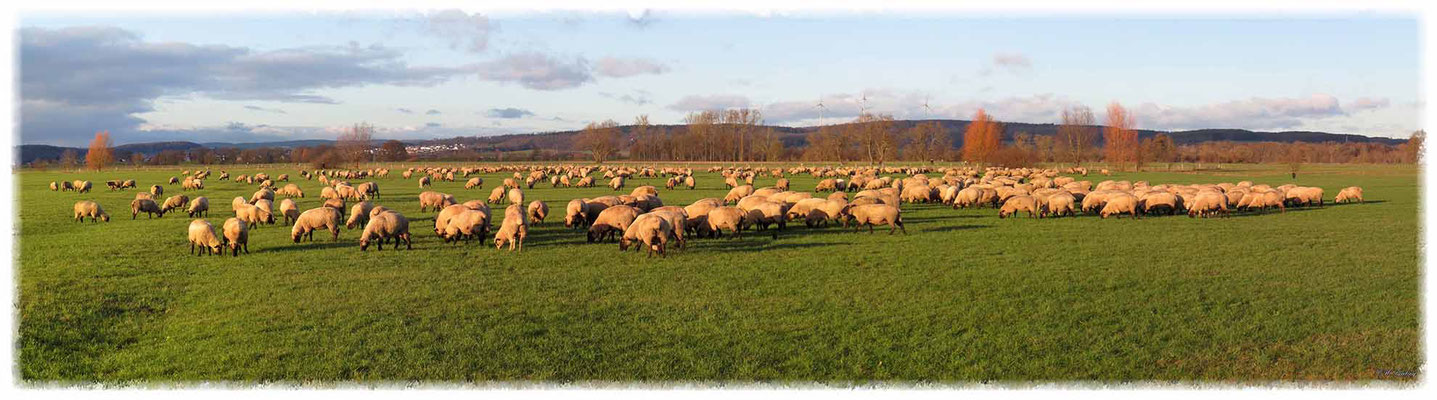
column 602, row 139
column 354, row 144
column 1076, row 135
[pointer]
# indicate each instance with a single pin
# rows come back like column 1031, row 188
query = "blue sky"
column 277, row 76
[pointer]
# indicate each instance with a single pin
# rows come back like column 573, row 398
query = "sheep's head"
column 105, row 217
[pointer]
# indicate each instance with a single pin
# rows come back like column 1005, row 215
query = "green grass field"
column 1320, row 294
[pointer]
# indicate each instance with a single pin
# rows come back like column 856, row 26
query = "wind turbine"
column 821, row 109
column 863, row 105
column 926, row 108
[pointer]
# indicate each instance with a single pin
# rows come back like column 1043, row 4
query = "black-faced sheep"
column 315, row 219
column 202, row 236
column 386, row 226
column 874, row 214
column 236, row 234
column 86, row 208
column 146, row 206
column 611, row 221
column 652, row 230
column 513, row 230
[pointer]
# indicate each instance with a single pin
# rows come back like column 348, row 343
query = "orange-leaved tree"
column 101, row 152
column 1120, row 141
column 982, row 138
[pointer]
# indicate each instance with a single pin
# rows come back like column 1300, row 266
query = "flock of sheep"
column 640, row 218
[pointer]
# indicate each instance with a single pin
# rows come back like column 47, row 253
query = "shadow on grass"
column 318, row 244
column 951, row 228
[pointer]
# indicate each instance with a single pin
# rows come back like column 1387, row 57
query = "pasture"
column 1313, row 294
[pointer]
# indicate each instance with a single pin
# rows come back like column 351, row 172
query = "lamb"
column 738, row 193
column 359, row 214
column 537, row 212
column 174, row 203
column 434, row 201
column 86, row 208
column 289, row 210
column 385, row 226
column 514, row 228
column 1348, row 195
column 651, row 229
column 199, row 206
column 611, row 221
column 721, row 218
column 475, row 182
column 1017, row 204
column 236, row 233
column 315, row 219
column 1121, row 203
column 146, row 206
column 202, row 236
column 874, row 214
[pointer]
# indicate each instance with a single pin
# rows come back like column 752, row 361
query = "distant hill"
column 563, row 141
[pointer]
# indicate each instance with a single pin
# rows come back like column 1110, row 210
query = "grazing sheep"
column 496, row 195
column 82, row 186
column 617, row 183
column 574, row 213
column 1121, row 203
column 516, row 196
column 650, row 229
column 289, row 210
column 146, row 206
column 251, row 214
column 645, row 190
column 765, row 214
column 612, row 220
column 513, row 230
column 1161, row 201
column 359, row 214
column 1348, row 195
column 290, row 190
column 67, row 186
column 175, row 202
column 328, row 193
column 262, row 194
column 385, row 226
column 738, row 193
column 874, row 214
column 1304, row 196
column 1017, row 204
column 423, row 181
column 721, row 218
column 86, row 208
column 367, row 190
column 1059, row 204
column 689, row 181
column 199, row 206
column 54, row 187
column 266, row 209
column 537, row 212
column 202, row 236
column 475, row 182
column 441, row 220
column 781, row 184
column 1205, row 204
column 826, row 185
column 236, row 233
column 434, row 201
column 316, row 219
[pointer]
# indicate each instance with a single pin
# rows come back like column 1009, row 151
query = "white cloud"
column 615, row 67
column 710, row 102
column 537, row 71
column 468, row 32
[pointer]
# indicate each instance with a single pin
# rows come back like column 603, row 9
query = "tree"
column 1076, row 135
column 875, row 134
column 1413, row 147
column 102, row 151
column 1120, row 140
column 925, row 142
column 137, row 159
column 354, row 144
column 69, row 158
column 982, row 138
column 393, row 150
column 1159, row 148
column 601, row 139
column 770, row 145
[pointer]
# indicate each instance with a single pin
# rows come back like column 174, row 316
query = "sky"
column 252, row 77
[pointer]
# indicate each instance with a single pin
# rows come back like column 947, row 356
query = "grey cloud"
column 638, row 97
column 710, row 102
column 432, row 112
column 432, row 125
column 536, row 71
column 508, row 113
column 1253, row 113
column 113, row 74
column 615, row 67
column 404, row 110
column 468, row 32
column 263, row 109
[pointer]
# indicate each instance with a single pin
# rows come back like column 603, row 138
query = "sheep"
column 289, row 210
column 1348, row 195
column 86, row 208
column 328, row 193
column 82, row 186
column 874, row 214
column 202, row 236
column 1161, row 201
column 423, row 181
column 617, row 183
column 668, row 184
column 475, row 182
column 1206, row 204
column 509, row 183
column 1059, row 204
column 385, row 226
column 612, row 220
column 781, row 184
column 252, row 214
column 266, row 209
column 236, row 233
column 290, row 190
column 574, row 213
column 587, row 181
column 724, row 217
column 689, row 181
column 54, row 187
column 359, row 214
column 315, row 219
column 146, row 206
column 650, row 229
column 1017, row 204
column 441, row 220
column 262, row 194
column 766, row 213
column 497, row 195
column 175, row 202
column 645, row 190
column 467, row 224
column 738, row 193
column 434, row 201
column 516, row 196
column 1119, row 204
column 537, row 212
column 513, row 230
column 367, row 190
